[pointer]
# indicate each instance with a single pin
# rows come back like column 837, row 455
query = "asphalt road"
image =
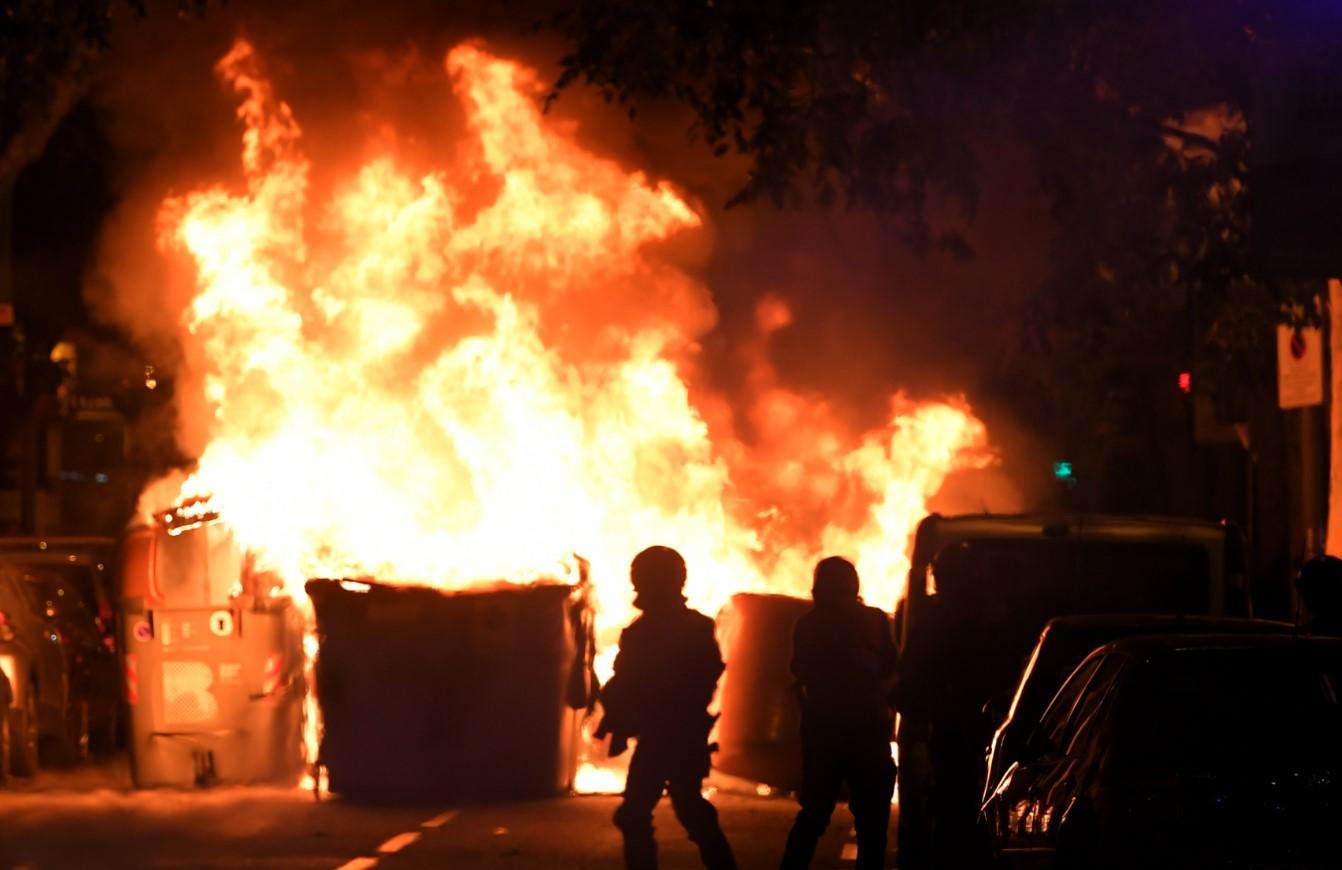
column 92, row 818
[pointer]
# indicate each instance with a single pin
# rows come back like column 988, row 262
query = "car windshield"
column 79, row 576
column 1217, row 709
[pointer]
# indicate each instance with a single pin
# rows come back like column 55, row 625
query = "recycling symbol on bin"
column 221, row 623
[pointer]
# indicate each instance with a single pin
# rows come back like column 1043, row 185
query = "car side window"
column 1053, row 724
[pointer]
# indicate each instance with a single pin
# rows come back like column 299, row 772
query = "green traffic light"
column 1062, row 470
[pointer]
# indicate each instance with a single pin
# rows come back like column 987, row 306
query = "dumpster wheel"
column 203, row 760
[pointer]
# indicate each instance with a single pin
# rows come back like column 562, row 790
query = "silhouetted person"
column 1320, row 587
column 843, row 658
column 944, row 682
column 665, row 674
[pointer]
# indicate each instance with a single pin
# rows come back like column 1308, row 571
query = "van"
column 974, row 639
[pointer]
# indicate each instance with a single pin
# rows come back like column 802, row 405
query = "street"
column 435, row 399
column 92, row 817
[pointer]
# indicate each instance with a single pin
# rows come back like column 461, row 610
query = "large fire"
column 473, row 373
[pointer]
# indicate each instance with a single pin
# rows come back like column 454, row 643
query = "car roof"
column 1109, row 526
column 14, row 541
column 1153, row 645
column 73, row 550
column 1135, row 623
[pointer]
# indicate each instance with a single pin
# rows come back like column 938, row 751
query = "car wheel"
column 72, row 746
column 24, row 735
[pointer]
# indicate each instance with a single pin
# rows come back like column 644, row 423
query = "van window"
column 1027, row 581
column 1143, row 577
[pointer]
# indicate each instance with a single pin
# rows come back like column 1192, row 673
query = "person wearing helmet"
column 665, row 675
column 944, row 680
column 1320, row 586
column 843, row 659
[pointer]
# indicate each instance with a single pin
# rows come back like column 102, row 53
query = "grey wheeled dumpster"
column 759, row 732
column 214, row 676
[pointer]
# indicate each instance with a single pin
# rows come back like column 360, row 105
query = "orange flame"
column 430, row 390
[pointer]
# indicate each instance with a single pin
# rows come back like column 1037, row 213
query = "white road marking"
column 358, row 864
column 441, row 819
column 398, row 842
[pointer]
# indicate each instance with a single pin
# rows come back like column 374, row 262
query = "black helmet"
column 1320, row 586
column 658, row 575
column 835, row 581
column 955, row 566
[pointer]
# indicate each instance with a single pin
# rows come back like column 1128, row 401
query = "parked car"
column 1062, row 645
column 34, row 665
column 963, row 648
column 1182, row 750
column 86, row 562
column 90, row 672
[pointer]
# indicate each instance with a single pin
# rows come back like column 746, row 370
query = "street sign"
column 1299, row 366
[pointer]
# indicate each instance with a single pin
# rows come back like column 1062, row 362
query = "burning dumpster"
column 212, row 657
column 759, row 734
column 464, row 696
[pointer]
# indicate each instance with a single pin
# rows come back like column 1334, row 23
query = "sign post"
column 1300, row 389
column 1333, row 543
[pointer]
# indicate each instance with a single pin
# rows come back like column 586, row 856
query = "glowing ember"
column 473, row 373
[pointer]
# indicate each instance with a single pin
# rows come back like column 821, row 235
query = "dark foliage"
column 47, row 47
column 1135, row 114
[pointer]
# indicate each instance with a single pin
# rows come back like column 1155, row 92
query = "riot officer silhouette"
column 1320, row 587
column 665, row 675
column 843, row 658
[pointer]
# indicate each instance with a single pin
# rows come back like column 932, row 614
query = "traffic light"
column 1063, row 472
